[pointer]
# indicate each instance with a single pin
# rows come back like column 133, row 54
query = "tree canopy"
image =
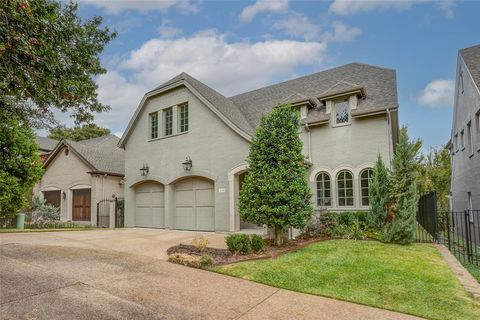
column 275, row 191
column 48, row 59
column 379, row 196
column 86, row 131
column 20, row 166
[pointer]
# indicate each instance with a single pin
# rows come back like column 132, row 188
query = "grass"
column 412, row 279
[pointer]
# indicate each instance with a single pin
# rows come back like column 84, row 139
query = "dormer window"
column 342, row 112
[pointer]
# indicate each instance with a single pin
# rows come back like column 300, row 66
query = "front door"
column 81, row 205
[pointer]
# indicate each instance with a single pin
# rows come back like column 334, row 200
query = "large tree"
column 20, row 166
column 48, row 59
column 77, row 133
column 275, row 191
column 379, row 197
column 403, row 191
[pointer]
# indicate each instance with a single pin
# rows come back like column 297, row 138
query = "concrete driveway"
column 123, row 274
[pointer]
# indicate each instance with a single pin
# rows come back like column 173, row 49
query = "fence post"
column 98, row 214
column 447, row 221
column 467, row 236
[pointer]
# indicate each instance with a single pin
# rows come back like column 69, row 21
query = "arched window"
column 323, row 190
column 365, row 179
column 345, row 188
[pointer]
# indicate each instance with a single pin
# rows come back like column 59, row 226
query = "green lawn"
column 411, row 279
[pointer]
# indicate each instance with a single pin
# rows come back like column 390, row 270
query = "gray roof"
column 246, row 109
column 101, row 154
column 45, row 144
column 471, row 57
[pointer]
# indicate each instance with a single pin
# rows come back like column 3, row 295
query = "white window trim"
column 316, row 190
column 353, row 189
column 334, row 114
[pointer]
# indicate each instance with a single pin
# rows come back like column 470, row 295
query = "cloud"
column 298, row 25
column 342, row 33
column 228, row 67
column 350, row 7
column 438, row 93
column 143, row 6
column 167, row 30
column 276, row 6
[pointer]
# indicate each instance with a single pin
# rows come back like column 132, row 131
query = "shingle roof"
column 471, row 57
column 101, row 154
column 378, row 83
column 45, row 144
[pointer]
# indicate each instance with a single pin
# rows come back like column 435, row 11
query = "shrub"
column 206, row 260
column 238, row 243
column 43, row 213
column 257, row 243
column 201, row 243
column 185, row 259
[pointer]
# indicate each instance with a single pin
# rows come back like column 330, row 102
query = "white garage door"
column 195, row 205
column 149, row 205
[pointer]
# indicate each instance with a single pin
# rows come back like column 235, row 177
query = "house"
column 186, row 144
column 45, row 146
column 77, row 175
column 465, row 137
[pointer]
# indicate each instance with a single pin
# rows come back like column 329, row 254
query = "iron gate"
column 103, row 212
column 457, row 230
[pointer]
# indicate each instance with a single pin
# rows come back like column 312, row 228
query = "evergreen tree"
column 377, row 214
column 403, row 191
column 275, row 191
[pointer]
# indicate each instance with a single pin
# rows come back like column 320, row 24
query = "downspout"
column 390, row 137
column 309, row 142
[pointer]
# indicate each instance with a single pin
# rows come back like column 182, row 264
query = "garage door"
column 194, row 205
column 149, row 205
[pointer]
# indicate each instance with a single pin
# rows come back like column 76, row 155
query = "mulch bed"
column 223, row 256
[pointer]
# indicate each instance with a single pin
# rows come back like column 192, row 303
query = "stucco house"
column 45, row 146
column 77, row 175
column 465, row 137
column 186, row 144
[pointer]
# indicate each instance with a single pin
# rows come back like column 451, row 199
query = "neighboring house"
column 186, row 145
column 45, row 146
column 77, row 175
column 465, row 138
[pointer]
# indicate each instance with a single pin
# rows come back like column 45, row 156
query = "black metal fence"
column 459, row 231
column 104, row 208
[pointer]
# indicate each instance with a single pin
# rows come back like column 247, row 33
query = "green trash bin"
column 20, row 220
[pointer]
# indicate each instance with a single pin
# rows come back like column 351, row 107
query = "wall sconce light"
column 144, row 170
column 64, row 195
column 187, row 165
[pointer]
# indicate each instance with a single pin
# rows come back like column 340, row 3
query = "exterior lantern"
column 144, row 170
column 187, row 165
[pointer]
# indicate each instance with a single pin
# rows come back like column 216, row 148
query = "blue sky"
column 235, row 46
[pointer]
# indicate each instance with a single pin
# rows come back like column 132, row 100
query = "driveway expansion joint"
column 259, row 303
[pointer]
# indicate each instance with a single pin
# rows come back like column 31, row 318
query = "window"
column 456, row 142
column 345, row 188
column 341, row 112
column 323, row 190
column 462, row 139
column 183, row 117
column 461, row 81
column 154, row 125
column 168, row 121
column 469, row 137
column 365, row 179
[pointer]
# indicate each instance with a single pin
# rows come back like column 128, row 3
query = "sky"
column 237, row 46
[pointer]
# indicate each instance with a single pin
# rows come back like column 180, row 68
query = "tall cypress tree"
column 275, row 191
column 403, row 191
column 377, row 214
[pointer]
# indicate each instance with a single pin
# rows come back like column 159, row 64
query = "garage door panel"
column 184, row 198
column 184, row 185
column 204, row 197
column 149, row 205
column 184, row 218
column 205, row 218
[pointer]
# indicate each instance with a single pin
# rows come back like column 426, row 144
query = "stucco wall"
column 213, row 147
column 465, row 163
column 67, row 172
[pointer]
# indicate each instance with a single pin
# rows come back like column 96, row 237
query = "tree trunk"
column 279, row 235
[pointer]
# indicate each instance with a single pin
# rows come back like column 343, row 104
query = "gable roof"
column 100, row 154
column 242, row 112
column 45, row 144
column 471, row 57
